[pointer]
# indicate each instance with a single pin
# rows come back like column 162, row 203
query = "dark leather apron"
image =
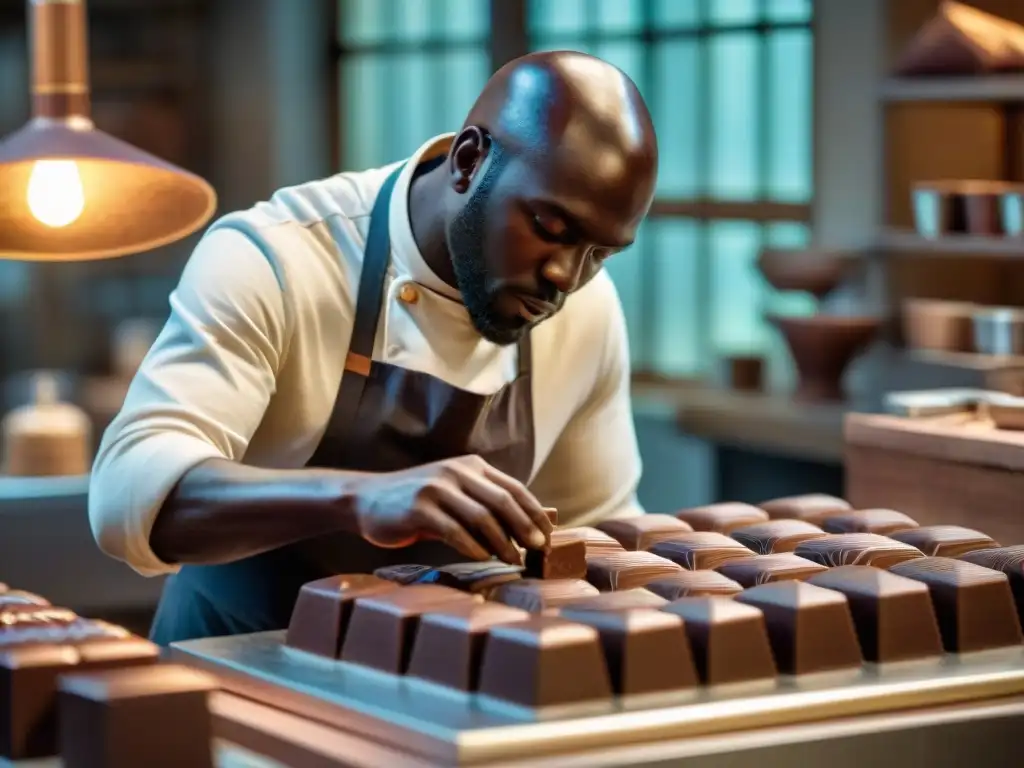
column 385, row 418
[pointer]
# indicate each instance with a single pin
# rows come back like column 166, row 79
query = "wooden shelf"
column 952, row 245
column 973, row 361
column 1009, row 88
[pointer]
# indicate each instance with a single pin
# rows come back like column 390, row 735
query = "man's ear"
column 467, row 156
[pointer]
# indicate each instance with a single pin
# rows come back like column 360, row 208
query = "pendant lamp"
column 69, row 192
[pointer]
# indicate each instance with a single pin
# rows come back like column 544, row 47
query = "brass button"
column 409, row 294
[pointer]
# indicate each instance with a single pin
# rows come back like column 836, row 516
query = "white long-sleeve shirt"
column 248, row 364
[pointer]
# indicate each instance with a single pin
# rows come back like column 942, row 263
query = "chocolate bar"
column 544, row 661
column 799, row 618
column 646, row 650
column 722, row 518
column 28, row 691
column 1009, row 560
column 764, row 569
column 729, row 640
column 322, row 610
column 974, row 605
column 857, row 549
column 880, row 521
column 597, row 542
column 700, row 550
column 812, row 507
column 776, row 536
column 893, row 615
column 565, row 557
column 18, row 615
column 625, row 600
column 945, row 540
column 627, row 570
column 20, row 597
column 539, row 595
column 382, row 626
column 156, row 717
column 694, row 584
column 638, row 533
column 449, row 644
column 475, row 577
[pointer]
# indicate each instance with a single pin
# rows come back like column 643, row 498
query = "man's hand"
column 464, row 502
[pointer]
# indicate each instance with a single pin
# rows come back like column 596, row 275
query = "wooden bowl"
column 945, row 326
column 813, row 271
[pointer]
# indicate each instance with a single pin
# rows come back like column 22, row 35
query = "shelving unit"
column 994, row 88
column 902, row 240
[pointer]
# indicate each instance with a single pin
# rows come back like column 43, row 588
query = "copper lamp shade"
column 69, row 192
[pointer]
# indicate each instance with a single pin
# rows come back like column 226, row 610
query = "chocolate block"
column 646, row 650
column 544, row 661
column 382, row 626
column 156, row 717
column 729, row 640
column 810, row 628
column 539, row 595
column 857, row 549
column 597, row 542
column 701, row 550
column 638, row 533
column 694, row 584
column 764, row 569
column 945, row 540
column 1009, row 560
column 880, row 521
column 62, row 633
column 18, row 615
column 722, row 518
column 564, row 558
column 450, row 641
column 627, row 570
column 322, row 610
column 625, row 600
column 28, row 698
column 475, row 577
column 974, row 605
column 776, row 536
column 893, row 615
column 20, row 597
column 812, row 507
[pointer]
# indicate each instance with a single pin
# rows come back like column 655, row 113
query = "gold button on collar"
column 409, row 294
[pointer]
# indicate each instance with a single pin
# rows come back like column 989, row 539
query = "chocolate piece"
column 383, row 625
column 974, row 605
column 322, row 610
column 156, row 717
column 694, row 584
column 729, row 640
column 722, row 518
column 700, row 550
column 810, row 627
column 764, row 569
column 646, row 650
column 776, row 536
column 625, row 600
column 1009, row 560
column 476, row 577
column 597, row 542
column 20, row 597
column 880, row 521
column 28, row 696
column 627, row 570
column 893, row 615
column 538, row 595
column 450, row 641
column 945, row 540
column 812, row 507
column 857, row 549
column 28, row 615
column 637, row 533
column 69, row 633
column 544, row 661
column 564, row 558
column 552, row 515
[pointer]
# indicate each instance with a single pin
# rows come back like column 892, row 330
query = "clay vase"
column 816, row 272
column 822, row 347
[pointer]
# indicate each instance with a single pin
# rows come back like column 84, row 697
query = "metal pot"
column 999, row 331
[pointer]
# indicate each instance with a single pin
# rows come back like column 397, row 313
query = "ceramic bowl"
column 817, row 272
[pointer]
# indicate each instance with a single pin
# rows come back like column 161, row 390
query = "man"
column 387, row 366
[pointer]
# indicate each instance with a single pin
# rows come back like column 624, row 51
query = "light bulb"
column 55, row 194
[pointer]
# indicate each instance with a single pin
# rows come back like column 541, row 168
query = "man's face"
column 528, row 234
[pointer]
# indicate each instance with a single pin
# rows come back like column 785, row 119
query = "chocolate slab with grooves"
column 597, row 542
column 539, row 595
column 810, row 628
column 474, row 577
column 722, row 518
column 776, row 536
column 812, row 507
column 21, row 597
column 27, row 615
column 880, row 521
column 643, row 531
column 694, row 584
column 625, row 600
column 157, row 717
column 893, row 615
column 729, row 640
column 564, row 558
column 449, row 644
column 857, row 549
column 323, row 609
column 945, row 540
column 627, row 570
column 701, row 550
column 382, row 627
column 545, row 661
column 646, row 650
column 974, row 605
column 765, row 569
column 28, row 698
column 1008, row 560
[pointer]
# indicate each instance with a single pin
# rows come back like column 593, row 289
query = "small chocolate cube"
column 701, row 550
column 764, row 569
column 694, row 584
column 28, row 698
column 812, row 507
column 540, row 595
column 564, row 558
column 1008, row 560
column 643, row 531
column 776, row 536
column 627, row 570
column 945, row 540
column 880, row 521
column 857, row 549
column 722, row 518
column 323, row 608
column 597, row 542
